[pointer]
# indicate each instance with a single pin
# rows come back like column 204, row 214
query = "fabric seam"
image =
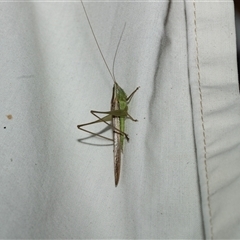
column 202, row 119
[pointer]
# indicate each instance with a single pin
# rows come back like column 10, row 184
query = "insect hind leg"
column 116, row 130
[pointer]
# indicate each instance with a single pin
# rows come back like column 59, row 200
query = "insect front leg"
column 129, row 98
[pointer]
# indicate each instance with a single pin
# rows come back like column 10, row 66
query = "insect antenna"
column 115, row 55
column 97, row 41
column 95, row 38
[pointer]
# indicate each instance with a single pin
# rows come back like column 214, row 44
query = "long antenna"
column 97, row 42
column 114, row 59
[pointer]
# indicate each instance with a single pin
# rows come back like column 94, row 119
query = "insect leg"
column 104, row 119
column 129, row 98
column 116, row 113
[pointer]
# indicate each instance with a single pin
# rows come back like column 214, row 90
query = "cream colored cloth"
column 181, row 168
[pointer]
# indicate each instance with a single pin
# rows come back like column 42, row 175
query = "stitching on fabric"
column 202, row 119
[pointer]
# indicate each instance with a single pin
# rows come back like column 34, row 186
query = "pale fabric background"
column 181, row 169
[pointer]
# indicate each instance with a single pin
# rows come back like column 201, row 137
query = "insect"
column 118, row 113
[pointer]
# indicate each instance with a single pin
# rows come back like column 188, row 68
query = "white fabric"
column 181, row 169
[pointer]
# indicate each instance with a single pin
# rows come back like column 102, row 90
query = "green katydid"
column 118, row 113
